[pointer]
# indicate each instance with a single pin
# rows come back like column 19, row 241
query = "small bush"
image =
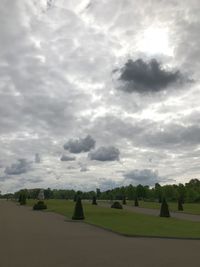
column 164, row 210
column 94, row 200
column 40, row 205
column 116, row 205
column 78, row 210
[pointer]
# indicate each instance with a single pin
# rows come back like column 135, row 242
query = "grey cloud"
column 80, row 145
column 143, row 77
column 22, row 166
column 37, row 158
column 109, row 153
column 67, row 158
column 144, row 177
column 84, row 169
column 106, row 184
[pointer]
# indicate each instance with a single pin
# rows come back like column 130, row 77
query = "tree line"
column 188, row 192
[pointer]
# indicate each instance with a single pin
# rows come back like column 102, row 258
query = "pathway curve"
column 42, row 239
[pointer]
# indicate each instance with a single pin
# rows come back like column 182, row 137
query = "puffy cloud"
column 22, row 166
column 80, row 145
column 143, row 77
column 109, row 153
column 67, row 158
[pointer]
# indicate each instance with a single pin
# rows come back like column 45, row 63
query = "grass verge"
column 128, row 223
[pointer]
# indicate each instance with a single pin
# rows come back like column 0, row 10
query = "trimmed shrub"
column 136, row 203
column 40, row 205
column 75, row 198
column 22, row 199
column 78, row 210
column 124, row 200
column 180, row 204
column 116, row 205
column 164, row 210
column 94, row 200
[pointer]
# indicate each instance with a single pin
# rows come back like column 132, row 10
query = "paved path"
column 156, row 212
column 41, row 239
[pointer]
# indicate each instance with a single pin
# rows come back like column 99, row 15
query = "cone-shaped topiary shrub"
column 124, row 200
column 23, row 199
column 94, row 200
column 40, row 205
column 20, row 198
column 164, row 210
column 116, row 205
column 180, row 204
column 75, row 198
column 136, row 203
column 78, row 210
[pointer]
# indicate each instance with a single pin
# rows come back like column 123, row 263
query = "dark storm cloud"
column 22, row 166
column 80, row 145
column 67, row 158
column 105, row 154
column 143, row 77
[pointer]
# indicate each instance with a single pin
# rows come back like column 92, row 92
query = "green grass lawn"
column 191, row 208
column 128, row 223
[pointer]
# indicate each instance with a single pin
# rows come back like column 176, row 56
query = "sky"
column 99, row 93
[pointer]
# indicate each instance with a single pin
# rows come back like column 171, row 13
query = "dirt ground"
column 41, row 239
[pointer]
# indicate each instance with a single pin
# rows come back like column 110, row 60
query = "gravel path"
column 42, row 239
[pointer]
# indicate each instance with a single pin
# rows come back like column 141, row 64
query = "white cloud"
column 57, row 84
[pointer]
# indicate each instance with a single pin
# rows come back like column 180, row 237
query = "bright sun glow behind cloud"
column 155, row 41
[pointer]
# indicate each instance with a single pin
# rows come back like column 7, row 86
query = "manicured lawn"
column 128, row 223
column 191, row 208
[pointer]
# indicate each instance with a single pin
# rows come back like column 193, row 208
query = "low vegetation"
column 164, row 210
column 116, row 205
column 78, row 210
column 40, row 205
column 128, row 223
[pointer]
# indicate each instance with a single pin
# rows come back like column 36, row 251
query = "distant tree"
column 20, row 198
column 180, row 204
column 78, row 210
column 164, row 210
column 98, row 192
column 124, row 200
column 158, row 192
column 111, row 198
column 94, row 200
column 75, row 198
column 136, row 203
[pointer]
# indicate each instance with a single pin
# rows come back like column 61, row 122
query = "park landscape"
column 99, row 133
column 125, row 221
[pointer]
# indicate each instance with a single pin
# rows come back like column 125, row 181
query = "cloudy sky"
column 99, row 93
